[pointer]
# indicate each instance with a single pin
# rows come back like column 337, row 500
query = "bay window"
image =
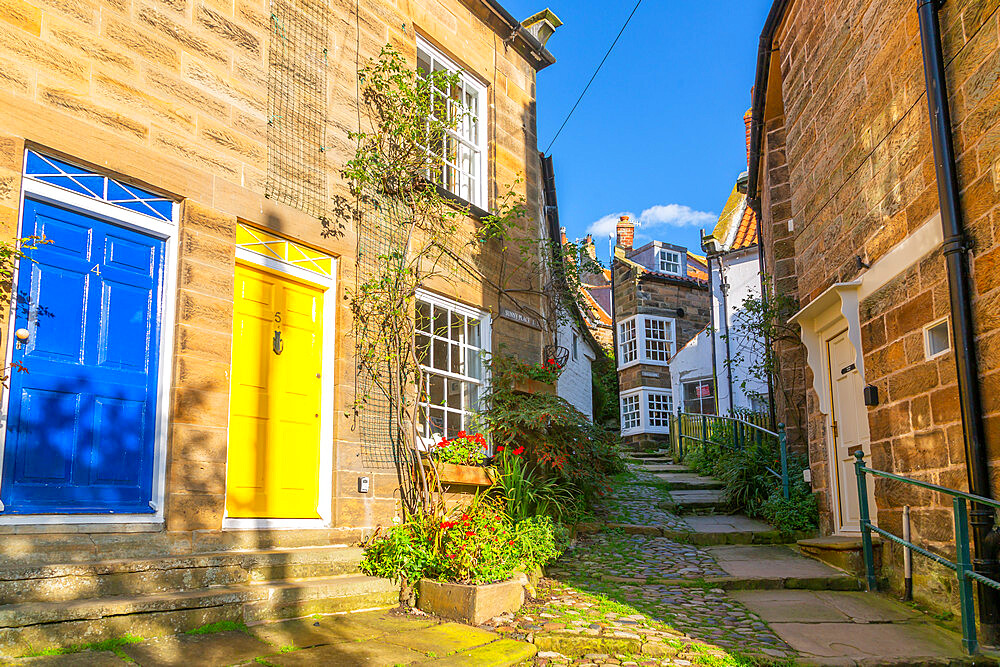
column 646, row 339
column 646, row 410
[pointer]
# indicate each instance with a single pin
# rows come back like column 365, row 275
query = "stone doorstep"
column 65, row 583
column 264, row 595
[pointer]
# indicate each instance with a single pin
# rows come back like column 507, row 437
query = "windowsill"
column 460, row 203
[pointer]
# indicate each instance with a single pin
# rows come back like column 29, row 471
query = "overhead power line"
column 594, row 76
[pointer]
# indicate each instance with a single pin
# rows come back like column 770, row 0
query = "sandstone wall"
column 172, row 95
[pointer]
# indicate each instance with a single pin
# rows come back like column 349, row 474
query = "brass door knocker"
column 277, row 344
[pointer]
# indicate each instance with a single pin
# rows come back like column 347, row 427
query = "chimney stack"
column 589, row 247
column 625, row 232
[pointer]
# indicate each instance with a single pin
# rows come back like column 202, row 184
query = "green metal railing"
column 962, row 566
column 689, row 429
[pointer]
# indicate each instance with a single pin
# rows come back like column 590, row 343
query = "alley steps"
column 56, row 605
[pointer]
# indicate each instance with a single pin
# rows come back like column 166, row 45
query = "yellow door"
column 274, row 406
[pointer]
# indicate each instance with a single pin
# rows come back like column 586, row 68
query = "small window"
column 575, row 339
column 628, row 350
column 630, row 412
column 937, row 338
column 670, row 262
column 659, row 407
column 699, row 397
column 659, row 339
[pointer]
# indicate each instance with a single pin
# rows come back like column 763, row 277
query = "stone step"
column 680, row 481
column 699, row 500
column 664, row 467
column 661, row 453
column 148, row 576
column 33, row 626
column 840, row 551
column 777, row 566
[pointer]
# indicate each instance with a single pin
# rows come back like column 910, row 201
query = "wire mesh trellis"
column 296, row 105
column 379, row 371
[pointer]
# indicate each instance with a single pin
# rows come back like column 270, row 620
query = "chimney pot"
column 625, row 232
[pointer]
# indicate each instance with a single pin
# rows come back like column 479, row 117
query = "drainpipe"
column 955, row 247
column 712, row 328
column 724, row 288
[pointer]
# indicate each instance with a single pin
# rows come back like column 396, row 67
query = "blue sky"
column 661, row 129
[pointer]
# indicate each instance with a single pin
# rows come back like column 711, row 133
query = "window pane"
column 423, row 350
column 455, row 394
column 437, row 390
column 440, row 359
column 437, row 421
column 454, row 424
column 457, row 326
column 474, row 333
column 474, row 363
column 423, row 322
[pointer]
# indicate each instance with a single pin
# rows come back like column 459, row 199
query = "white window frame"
column 629, row 345
column 626, row 429
column 663, row 258
column 485, row 340
column 927, row 339
column 641, row 351
column 480, row 148
column 645, row 422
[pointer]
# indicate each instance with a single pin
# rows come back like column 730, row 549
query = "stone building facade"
column 156, row 128
column 844, row 176
column 660, row 302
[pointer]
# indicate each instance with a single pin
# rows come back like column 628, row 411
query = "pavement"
column 366, row 639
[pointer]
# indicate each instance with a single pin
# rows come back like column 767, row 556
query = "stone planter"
column 530, row 386
column 451, row 473
column 471, row 604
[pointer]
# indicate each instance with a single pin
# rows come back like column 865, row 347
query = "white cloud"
column 668, row 215
column 605, row 227
column 674, row 215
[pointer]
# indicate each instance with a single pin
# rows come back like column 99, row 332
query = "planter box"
column 451, row 473
column 471, row 604
column 530, row 386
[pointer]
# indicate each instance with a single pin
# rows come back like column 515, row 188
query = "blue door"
column 81, row 417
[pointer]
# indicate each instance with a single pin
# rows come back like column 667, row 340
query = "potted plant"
column 461, row 460
column 537, row 378
column 467, row 564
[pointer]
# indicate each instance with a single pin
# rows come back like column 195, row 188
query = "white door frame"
column 833, row 457
column 327, row 386
column 57, row 196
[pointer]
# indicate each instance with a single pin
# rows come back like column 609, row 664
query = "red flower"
column 461, row 434
column 451, row 555
column 518, row 451
column 470, row 533
column 465, row 518
column 510, row 542
column 499, row 448
column 448, row 524
column 551, row 361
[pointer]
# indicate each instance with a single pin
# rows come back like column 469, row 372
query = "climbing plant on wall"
column 411, row 231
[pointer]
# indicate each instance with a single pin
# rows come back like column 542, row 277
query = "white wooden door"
column 849, row 432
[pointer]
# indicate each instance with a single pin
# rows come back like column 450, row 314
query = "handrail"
column 934, row 487
column 963, row 563
column 700, row 429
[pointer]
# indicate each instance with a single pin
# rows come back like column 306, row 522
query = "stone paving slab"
column 769, row 561
column 788, row 606
column 497, row 654
column 879, row 641
column 443, row 639
column 347, row 654
column 88, row 658
column 210, row 650
column 725, row 523
column 700, row 498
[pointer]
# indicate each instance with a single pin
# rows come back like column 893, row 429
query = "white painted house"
column 712, row 373
column 576, row 383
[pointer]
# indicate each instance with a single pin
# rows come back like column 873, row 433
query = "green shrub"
column 537, row 541
column 798, row 513
column 405, row 551
column 555, row 436
column 747, row 479
column 527, row 492
column 478, row 544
